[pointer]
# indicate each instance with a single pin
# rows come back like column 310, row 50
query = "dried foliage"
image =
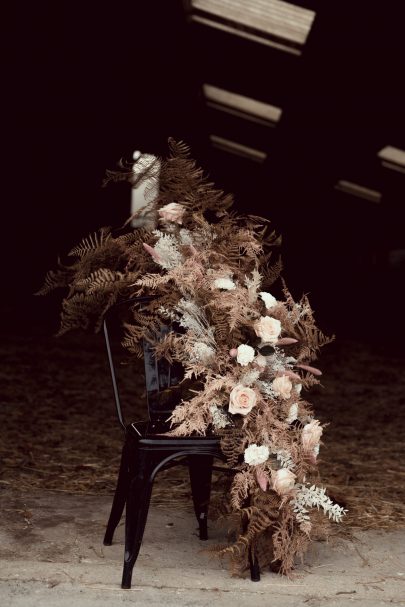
column 249, row 350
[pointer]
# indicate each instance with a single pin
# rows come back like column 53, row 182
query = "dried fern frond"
column 55, row 279
column 91, row 242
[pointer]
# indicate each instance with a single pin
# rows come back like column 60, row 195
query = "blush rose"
column 242, row 399
column 283, row 481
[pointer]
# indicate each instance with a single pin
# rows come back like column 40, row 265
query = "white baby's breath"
column 203, row 352
column 185, row 237
column 249, row 378
column 219, row 418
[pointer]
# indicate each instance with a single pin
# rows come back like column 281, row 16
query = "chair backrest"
column 161, row 376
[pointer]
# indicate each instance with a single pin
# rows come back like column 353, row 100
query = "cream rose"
column 245, row 354
column 255, row 454
column 268, row 329
column 242, row 399
column 172, row 212
column 283, row 481
column 269, row 300
column 311, row 435
column 282, row 386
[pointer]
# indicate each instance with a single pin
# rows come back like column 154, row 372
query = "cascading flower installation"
column 245, row 345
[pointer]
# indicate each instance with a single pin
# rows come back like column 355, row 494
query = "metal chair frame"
column 146, row 452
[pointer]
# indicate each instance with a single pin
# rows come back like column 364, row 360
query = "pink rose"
column 172, row 212
column 283, row 481
column 311, row 435
column 268, row 329
column 282, row 386
column 242, row 400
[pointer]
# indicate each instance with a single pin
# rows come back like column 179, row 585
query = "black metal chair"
column 147, row 450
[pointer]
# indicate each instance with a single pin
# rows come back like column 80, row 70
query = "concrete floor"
column 51, row 553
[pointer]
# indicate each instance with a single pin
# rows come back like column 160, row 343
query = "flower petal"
column 152, row 252
column 262, row 479
column 312, row 370
column 286, row 341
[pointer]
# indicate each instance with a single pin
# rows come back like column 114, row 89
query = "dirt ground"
column 51, row 554
column 60, row 449
column 59, row 432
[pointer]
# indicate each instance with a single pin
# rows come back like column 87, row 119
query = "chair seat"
column 154, row 433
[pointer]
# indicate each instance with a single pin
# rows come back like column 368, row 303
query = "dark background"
column 87, row 83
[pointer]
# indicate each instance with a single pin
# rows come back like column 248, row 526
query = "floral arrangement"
column 247, row 348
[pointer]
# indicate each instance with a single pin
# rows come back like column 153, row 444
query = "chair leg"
column 136, row 514
column 253, row 562
column 200, row 468
column 120, row 497
column 254, row 566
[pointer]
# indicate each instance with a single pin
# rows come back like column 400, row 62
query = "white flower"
column 282, row 386
column 311, row 435
column 245, row 354
column 269, row 300
column 202, row 352
column 283, row 481
column 255, row 454
column 268, row 329
column 242, row 399
column 224, row 283
column 298, row 388
column 172, row 212
column 292, row 413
